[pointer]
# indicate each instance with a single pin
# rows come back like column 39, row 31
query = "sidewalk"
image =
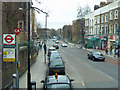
column 38, row 72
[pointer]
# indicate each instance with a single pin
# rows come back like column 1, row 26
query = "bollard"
column 33, row 85
column 14, row 81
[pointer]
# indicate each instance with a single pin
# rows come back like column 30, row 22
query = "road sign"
column 8, row 39
column 17, row 31
column 8, row 54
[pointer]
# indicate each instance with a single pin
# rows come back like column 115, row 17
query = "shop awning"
column 93, row 39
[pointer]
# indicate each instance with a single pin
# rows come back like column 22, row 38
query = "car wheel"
column 93, row 59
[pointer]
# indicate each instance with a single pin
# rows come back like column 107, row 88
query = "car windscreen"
column 97, row 53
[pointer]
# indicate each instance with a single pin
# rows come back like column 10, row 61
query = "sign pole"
column 17, row 31
column 17, row 73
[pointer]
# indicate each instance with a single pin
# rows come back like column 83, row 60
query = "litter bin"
column 33, row 85
column 14, row 81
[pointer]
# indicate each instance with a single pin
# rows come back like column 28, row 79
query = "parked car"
column 54, row 54
column 56, row 67
column 51, row 49
column 56, row 46
column 64, row 45
column 62, row 82
column 96, row 55
column 55, row 58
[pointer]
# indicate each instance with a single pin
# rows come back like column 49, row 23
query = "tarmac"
column 111, row 58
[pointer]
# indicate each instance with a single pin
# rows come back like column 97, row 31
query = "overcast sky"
column 61, row 12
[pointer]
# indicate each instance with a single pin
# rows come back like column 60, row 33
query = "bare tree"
column 87, row 10
column 82, row 11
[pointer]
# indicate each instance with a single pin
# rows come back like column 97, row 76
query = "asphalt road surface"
column 85, row 72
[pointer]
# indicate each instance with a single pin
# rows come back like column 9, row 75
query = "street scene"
column 61, row 45
column 85, row 72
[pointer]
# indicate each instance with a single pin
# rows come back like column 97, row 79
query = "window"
column 20, row 25
column 102, row 18
column 116, row 14
column 106, row 18
column 98, row 19
column 111, row 15
column 95, row 20
column 115, row 28
column 103, row 31
column 92, row 22
column 111, row 30
column 98, row 29
column 21, row 6
column 106, row 29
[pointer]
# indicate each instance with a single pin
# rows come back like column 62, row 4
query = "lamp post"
column 29, row 75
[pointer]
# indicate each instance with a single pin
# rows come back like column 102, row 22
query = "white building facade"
column 106, row 24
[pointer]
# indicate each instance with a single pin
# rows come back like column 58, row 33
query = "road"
column 85, row 72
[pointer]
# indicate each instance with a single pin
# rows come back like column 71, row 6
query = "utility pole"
column 29, row 75
column 118, row 42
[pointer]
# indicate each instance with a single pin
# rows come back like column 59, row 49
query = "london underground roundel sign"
column 8, row 39
column 17, row 31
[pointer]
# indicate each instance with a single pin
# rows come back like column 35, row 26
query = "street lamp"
column 29, row 75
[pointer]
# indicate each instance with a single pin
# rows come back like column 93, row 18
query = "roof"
column 52, row 48
column 60, row 79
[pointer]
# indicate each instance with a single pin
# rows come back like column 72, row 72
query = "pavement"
column 38, row 72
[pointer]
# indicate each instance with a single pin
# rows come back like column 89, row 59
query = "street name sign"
column 8, row 54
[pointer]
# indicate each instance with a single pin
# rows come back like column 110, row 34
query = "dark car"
column 56, row 46
column 51, row 49
column 56, row 67
column 96, row 55
column 59, row 82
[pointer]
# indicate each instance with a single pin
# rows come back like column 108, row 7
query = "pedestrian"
column 40, row 46
column 111, row 50
column 106, row 50
column 115, row 52
column 45, row 48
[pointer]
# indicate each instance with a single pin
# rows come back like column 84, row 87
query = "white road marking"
column 83, row 84
column 0, row 70
column 105, row 74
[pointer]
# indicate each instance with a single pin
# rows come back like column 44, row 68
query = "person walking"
column 111, row 50
column 40, row 46
column 106, row 50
